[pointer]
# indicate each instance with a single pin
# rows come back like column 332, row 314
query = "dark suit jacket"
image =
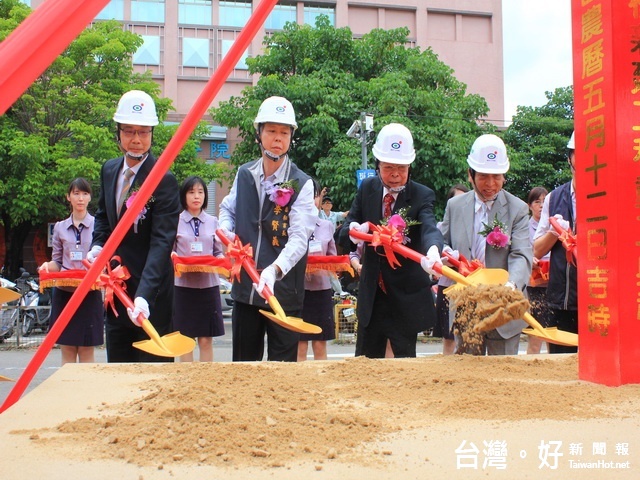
column 408, row 286
column 147, row 252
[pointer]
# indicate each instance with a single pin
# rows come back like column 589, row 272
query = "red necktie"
column 387, row 201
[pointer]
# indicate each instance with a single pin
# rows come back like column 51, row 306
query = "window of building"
column 147, row 11
column 280, row 15
column 195, row 12
column 195, row 52
column 312, row 11
column 113, row 11
column 149, row 52
column 241, row 65
column 234, row 14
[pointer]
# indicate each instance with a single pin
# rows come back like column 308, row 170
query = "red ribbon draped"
column 237, row 253
column 201, row 263
column 331, row 263
column 65, row 278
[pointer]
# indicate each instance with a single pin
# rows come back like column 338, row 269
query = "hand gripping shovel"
column 568, row 239
column 171, row 345
column 495, row 276
column 244, row 256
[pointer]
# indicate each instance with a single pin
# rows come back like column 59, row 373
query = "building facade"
column 185, row 41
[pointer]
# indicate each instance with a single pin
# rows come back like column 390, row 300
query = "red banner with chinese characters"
column 606, row 72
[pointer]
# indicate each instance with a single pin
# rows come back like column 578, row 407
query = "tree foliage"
column 330, row 78
column 537, row 141
column 61, row 127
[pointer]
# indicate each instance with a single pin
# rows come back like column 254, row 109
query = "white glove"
column 429, row 261
column 140, row 306
column 455, row 254
column 564, row 224
column 511, row 285
column 93, row 253
column 362, row 228
column 268, row 279
column 229, row 234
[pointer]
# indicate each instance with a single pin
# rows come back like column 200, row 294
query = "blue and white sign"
column 362, row 174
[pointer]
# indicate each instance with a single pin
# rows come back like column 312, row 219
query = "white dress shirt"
column 302, row 217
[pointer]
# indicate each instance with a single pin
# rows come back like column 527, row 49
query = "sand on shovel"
column 480, row 308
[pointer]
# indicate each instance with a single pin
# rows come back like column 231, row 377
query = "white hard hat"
column 276, row 110
column 394, row 144
column 488, row 155
column 136, row 108
column 572, row 141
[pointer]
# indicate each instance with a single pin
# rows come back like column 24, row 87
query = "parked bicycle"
column 33, row 315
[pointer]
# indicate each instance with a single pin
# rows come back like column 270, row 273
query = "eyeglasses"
column 132, row 133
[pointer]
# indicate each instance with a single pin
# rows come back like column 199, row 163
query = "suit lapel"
column 375, row 201
column 111, row 184
column 468, row 214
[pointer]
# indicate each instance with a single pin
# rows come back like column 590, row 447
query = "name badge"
column 196, row 247
column 76, row 255
column 315, row 247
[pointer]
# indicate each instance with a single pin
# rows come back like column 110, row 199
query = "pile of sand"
column 277, row 415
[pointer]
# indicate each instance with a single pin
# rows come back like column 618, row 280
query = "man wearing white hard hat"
column 393, row 304
column 466, row 217
column 146, row 248
column 270, row 207
column 562, row 290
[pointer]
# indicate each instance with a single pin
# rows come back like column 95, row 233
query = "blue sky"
column 537, row 50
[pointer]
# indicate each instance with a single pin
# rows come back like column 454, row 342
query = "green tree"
column 330, row 78
column 537, row 142
column 61, row 128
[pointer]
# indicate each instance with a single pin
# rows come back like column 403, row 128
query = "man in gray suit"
column 467, row 215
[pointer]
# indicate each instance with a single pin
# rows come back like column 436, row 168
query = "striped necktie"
column 126, row 186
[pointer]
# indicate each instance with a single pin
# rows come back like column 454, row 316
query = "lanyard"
column 195, row 226
column 78, row 232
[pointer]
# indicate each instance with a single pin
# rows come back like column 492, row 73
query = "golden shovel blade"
column 482, row 276
column 7, row 295
column 171, row 345
column 6, row 379
column 290, row 323
column 553, row 335
column 550, row 334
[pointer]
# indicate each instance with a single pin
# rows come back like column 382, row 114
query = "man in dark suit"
column 146, row 248
column 393, row 304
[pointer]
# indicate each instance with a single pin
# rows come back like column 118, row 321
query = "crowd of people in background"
column 285, row 216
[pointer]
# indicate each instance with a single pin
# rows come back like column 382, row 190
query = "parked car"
column 225, row 295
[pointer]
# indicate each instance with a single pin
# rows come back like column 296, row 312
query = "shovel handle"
column 415, row 256
column 556, row 226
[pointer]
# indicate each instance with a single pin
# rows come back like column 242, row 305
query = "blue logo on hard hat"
column 137, row 108
column 492, row 155
column 280, row 109
column 396, row 145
